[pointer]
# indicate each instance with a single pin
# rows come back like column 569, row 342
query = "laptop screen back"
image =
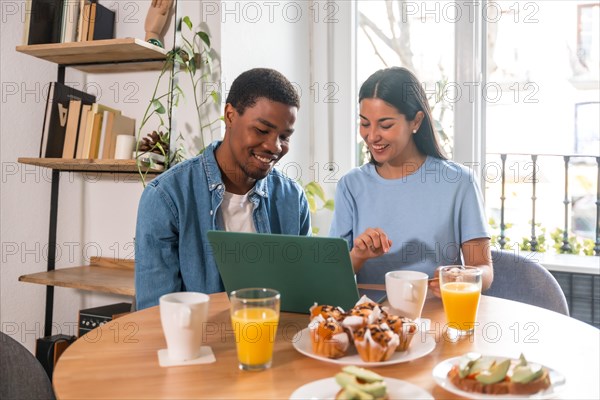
column 303, row 269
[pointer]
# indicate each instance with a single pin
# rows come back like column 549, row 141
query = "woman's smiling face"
column 386, row 132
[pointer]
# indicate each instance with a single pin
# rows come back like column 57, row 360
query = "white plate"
column 420, row 346
column 440, row 374
column 328, row 388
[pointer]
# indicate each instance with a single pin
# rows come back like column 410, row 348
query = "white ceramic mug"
column 183, row 315
column 406, row 292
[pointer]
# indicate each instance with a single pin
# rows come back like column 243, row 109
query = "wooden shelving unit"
column 81, row 165
column 99, row 56
column 102, row 275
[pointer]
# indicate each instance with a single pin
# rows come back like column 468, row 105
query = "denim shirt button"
column 211, row 212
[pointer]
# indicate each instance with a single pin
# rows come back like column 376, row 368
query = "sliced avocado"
column 364, row 374
column 522, row 360
column 495, row 374
column 482, row 364
column 352, row 393
column 466, row 362
column 527, row 373
column 375, row 389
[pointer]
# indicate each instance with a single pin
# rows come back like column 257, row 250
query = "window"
column 502, row 77
column 588, row 27
column 543, row 69
column 418, row 36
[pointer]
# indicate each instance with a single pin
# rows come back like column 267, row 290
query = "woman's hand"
column 370, row 244
column 434, row 284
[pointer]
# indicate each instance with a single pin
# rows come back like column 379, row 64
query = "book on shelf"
column 87, row 134
column 95, row 139
column 27, row 9
column 101, row 22
column 70, row 19
column 85, row 109
column 45, row 22
column 104, row 23
column 121, row 125
column 92, row 136
column 107, row 121
column 91, row 22
column 56, row 117
column 70, row 145
column 84, row 18
column 63, row 21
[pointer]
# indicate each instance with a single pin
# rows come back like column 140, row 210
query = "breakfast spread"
column 361, row 384
column 375, row 333
column 495, row 375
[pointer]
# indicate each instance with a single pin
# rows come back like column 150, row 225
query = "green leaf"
column 180, row 61
column 192, row 65
column 208, row 62
column 215, row 96
column 312, row 206
column 316, row 189
column 158, row 107
column 329, row 205
column 205, row 38
column 187, row 22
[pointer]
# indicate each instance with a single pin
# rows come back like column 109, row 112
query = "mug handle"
column 409, row 294
column 185, row 317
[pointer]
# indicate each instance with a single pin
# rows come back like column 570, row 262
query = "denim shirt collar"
column 213, row 174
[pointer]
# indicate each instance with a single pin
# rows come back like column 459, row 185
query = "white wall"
column 307, row 41
column 97, row 214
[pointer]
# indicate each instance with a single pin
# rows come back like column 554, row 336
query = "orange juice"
column 460, row 303
column 255, row 330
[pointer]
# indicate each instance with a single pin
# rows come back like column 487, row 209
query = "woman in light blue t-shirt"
column 409, row 207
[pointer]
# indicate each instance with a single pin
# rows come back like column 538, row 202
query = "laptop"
column 304, row 269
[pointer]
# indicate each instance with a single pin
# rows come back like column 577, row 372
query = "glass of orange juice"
column 254, row 316
column 461, row 290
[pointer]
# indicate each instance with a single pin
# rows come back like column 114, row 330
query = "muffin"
column 376, row 342
column 328, row 337
column 326, row 311
column 404, row 327
column 365, row 312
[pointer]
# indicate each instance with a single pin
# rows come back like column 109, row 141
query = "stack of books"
column 62, row 21
column 75, row 126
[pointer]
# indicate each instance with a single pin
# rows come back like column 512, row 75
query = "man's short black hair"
column 253, row 84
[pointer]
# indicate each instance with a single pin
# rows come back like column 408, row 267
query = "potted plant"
column 191, row 61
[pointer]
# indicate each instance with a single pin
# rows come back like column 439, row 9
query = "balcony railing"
column 513, row 186
column 529, row 175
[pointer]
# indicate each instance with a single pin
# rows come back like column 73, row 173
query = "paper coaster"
column 206, row 357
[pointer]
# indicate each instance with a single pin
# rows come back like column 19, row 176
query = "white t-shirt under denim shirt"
column 427, row 215
column 235, row 213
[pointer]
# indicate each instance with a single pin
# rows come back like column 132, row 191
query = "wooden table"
column 119, row 360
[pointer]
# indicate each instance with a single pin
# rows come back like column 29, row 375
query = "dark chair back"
column 521, row 279
column 23, row 377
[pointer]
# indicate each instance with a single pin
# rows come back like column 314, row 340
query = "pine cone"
column 149, row 143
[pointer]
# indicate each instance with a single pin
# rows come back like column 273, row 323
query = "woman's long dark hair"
column 401, row 89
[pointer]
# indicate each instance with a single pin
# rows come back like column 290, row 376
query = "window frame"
column 470, row 55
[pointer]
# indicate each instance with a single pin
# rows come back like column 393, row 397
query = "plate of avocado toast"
column 353, row 382
column 478, row 376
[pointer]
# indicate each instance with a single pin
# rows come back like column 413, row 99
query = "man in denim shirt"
column 231, row 186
